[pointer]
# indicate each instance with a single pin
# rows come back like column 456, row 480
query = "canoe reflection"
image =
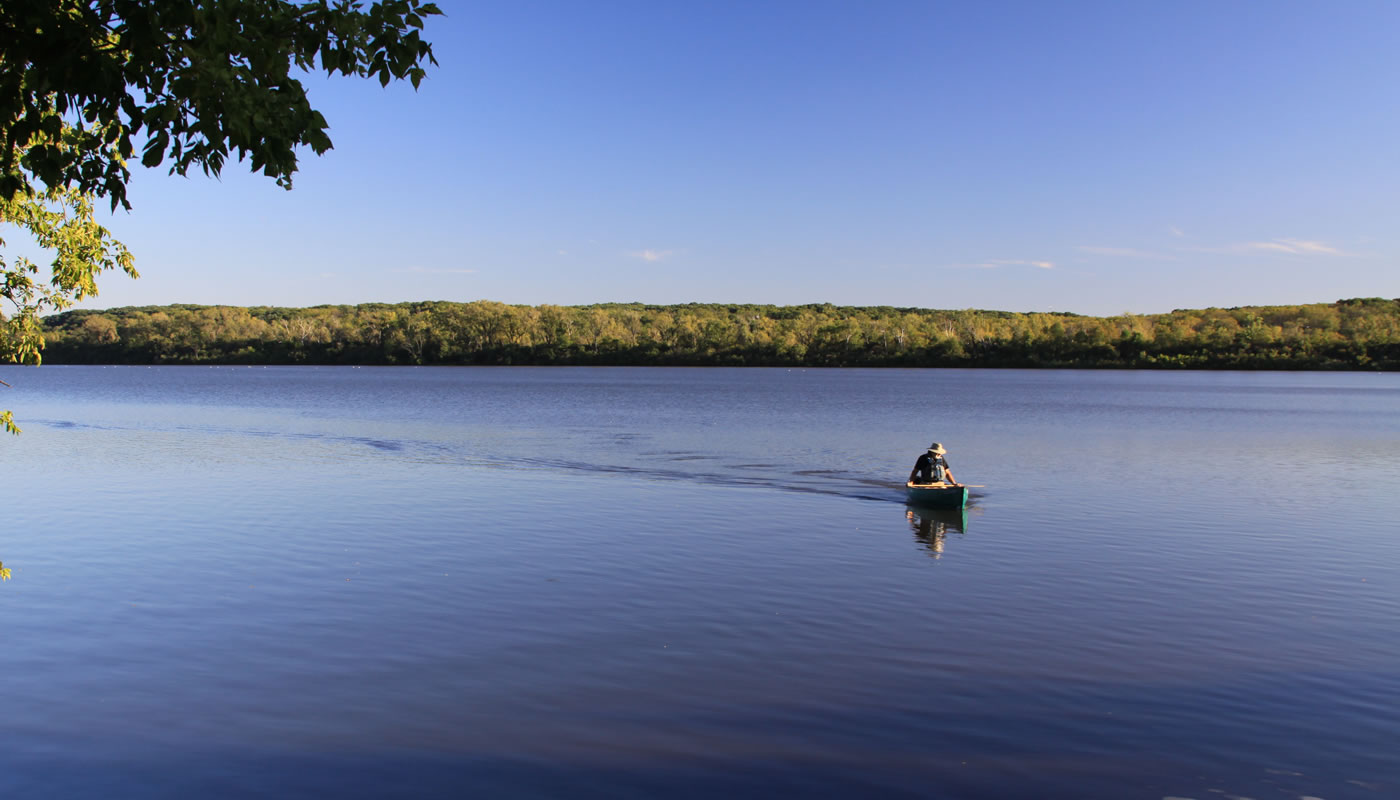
column 932, row 525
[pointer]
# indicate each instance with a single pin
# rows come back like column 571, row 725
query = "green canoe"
column 940, row 495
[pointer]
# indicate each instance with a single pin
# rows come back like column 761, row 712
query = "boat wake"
column 496, row 452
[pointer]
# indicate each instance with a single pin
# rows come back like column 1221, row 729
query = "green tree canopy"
column 194, row 81
column 61, row 221
column 84, row 83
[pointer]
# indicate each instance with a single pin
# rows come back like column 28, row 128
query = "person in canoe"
column 932, row 467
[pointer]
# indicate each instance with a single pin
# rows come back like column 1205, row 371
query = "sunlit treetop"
column 191, row 81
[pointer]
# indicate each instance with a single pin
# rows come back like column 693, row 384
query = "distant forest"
column 1349, row 334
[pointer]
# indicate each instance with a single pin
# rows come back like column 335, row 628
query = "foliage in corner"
column 194, row 81
column 62, row 222
column 85, row 83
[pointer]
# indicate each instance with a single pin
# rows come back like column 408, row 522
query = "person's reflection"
column 932, row 525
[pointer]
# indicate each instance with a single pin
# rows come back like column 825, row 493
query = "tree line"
column 1362, row 333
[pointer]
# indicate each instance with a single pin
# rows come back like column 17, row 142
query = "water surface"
column 639, row 582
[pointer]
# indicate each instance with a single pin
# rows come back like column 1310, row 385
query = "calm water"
column 335, row 582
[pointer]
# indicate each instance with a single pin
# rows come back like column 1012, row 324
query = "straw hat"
column 936, row 449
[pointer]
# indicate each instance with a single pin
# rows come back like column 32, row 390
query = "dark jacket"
column 929, row 468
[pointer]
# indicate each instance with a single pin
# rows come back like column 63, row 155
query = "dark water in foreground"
column 689, row 583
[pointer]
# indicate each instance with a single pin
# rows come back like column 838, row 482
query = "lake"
column 613, row 582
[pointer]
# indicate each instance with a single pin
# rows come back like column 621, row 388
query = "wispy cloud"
column 436, row 271
column 652, row 255
column 1123, row 252
column 1177, row 232
column 1273, row 247
column 1291, row 247
column 1018, row 262
column 1300, row 246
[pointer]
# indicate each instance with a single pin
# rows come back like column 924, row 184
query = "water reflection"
column 4, row 572
column 932, row 525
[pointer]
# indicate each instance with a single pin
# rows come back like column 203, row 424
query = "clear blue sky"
column 1090, row 157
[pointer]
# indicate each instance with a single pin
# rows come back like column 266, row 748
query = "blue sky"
column 1088, row 157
